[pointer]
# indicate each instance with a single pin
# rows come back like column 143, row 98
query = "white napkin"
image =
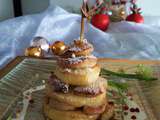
column 122, row 40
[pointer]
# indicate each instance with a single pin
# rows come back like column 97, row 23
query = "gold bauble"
column 58, row 48
column 34, row 52
column 122, row 12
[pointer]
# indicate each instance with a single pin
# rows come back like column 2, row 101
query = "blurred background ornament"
column 114, row 9
column 40, row 42
column 58, row 47
column 100, row 18
column 135, row 16
column 118, row 8
column 122, row 12
column 34, row 52
column 101, row 21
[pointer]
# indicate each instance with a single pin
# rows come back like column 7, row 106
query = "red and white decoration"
column 135, row 16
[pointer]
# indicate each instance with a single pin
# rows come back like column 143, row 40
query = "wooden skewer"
column 84, row 15
column 82, row 29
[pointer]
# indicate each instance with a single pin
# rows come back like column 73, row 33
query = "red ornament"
column 100, row 21
column 136, row 17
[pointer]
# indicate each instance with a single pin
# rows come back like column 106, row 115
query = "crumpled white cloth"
column 121, row 40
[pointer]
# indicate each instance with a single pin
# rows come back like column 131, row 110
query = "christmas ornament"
column 115, row 9
column 58, row 48
column 122, row 12
column 118, row 12
column 136, row 14
column 34, row 52
column 88, row 13
column 40, row 42
column 135, row 18
column 100, row 21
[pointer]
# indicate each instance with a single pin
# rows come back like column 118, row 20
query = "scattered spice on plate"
column 132, row 110
column 137, row 110
column 133, row 117
column 31, row 101
column 125, row 107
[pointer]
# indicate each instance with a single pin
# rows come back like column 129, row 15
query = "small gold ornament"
column 58, row 48
column 34, row 52
column 122, row 12
column 118, row 13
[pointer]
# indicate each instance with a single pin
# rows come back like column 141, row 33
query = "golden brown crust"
column 77, row 101
column 108, row 113
column 94, row 110
column 66, row 107
column 81, row 48
column 88, row 91
column 60, row 105
column 77, row 62
column 81, row 77
column 84, row 52
column 54, row 114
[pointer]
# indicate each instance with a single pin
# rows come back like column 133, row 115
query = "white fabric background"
column 122, row 40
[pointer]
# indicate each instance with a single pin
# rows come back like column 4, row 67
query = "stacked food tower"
column 75, row 91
